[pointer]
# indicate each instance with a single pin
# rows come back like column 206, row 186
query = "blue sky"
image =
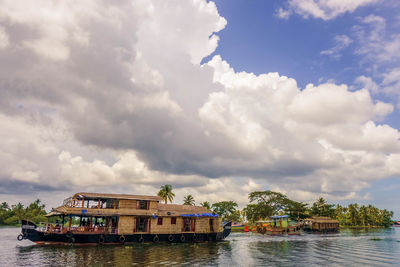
column 257, row 40
column 127, row 96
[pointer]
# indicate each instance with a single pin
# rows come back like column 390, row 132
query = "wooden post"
column 69, row 223
column 83, row 202
column 98, row 204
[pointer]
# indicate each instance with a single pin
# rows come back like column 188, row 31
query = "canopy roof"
column 280, row 217
column 96, row 196
column 322, row 220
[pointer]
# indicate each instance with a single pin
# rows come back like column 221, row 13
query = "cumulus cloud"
column 322, row 9
column 115, row 99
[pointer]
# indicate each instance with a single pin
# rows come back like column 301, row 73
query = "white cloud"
column 323, row 9
column 114, row 98
column 367, row 83
column 341, row 42
column 4, row 40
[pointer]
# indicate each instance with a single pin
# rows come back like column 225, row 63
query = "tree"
column 206, row 204
column 166, row 193
column 353, row 214
column 340, row 214
column 188, row 200
column 296, row 210
column 321, row 208
column 225, row 209
column 277, row 201
column 255, row 212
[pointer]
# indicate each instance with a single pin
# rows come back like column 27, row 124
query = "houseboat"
column 321, row 224
column 94, row 218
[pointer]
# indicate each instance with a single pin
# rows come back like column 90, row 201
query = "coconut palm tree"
column 166, row 193
column 188, row 200
column 206, row 204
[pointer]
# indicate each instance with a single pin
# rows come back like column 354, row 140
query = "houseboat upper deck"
column 120, row 218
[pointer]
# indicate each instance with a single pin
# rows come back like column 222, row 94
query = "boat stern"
column 227, row 229
column 28, row 231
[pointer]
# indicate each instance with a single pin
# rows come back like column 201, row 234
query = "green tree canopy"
column 260, row 211
column 321, row 208
column 188, row 200
column 206, row 204
column 166, row 193
column 296, row 210
column 226, row 210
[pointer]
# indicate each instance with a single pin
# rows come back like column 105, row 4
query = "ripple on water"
column 348, row 248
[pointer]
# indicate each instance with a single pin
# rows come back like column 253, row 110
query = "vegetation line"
column 263, row 204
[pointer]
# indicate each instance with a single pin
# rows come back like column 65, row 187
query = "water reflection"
column 375, row 247
column 140, row 254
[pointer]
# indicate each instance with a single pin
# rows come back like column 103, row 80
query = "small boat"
column 95, row 218
column 396, row 224
column 277, row 225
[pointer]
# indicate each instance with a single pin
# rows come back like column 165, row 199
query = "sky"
column 217, row 98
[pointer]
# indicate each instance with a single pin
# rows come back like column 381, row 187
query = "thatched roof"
column 322, row 220
column 95, row 196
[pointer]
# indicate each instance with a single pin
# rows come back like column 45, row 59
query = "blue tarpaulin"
column 198, row 215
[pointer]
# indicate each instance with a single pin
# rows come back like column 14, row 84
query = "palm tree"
column 188, row 200
column 166, row 193
column 206, row 204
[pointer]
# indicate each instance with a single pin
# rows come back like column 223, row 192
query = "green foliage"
column 366, row 216
column 255, row 212
column 13, row 215
column 166, row 193
column 296, row 210
column 277, row 201
column 188, row 200
column 322, row 209
column 226, row 210
column 206, row 204
column 267, row 203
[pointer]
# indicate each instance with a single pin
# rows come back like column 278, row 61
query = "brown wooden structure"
column 124, row 218
column 321, row 224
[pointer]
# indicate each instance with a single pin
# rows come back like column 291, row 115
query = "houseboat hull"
column 30, row 232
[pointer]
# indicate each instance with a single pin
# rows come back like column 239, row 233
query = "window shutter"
column 193, row 221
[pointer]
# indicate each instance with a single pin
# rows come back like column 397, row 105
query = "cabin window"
column 173, row 220
column 188, row 225
column 141, row 224
column 143, row 205
column 159, row 221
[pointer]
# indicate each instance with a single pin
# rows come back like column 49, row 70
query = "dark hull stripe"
column 42, row 238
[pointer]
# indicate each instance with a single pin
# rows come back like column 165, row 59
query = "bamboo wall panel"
column 202, row 225
column 126, row 225
column 153, row 205
column 127, row 204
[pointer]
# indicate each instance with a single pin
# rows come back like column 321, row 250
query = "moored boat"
column 321, row 224
column 93, row 218
column 277, row 225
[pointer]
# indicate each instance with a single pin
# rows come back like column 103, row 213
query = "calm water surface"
column 348, row 248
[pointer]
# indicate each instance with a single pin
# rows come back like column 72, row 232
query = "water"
column 347, row 248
